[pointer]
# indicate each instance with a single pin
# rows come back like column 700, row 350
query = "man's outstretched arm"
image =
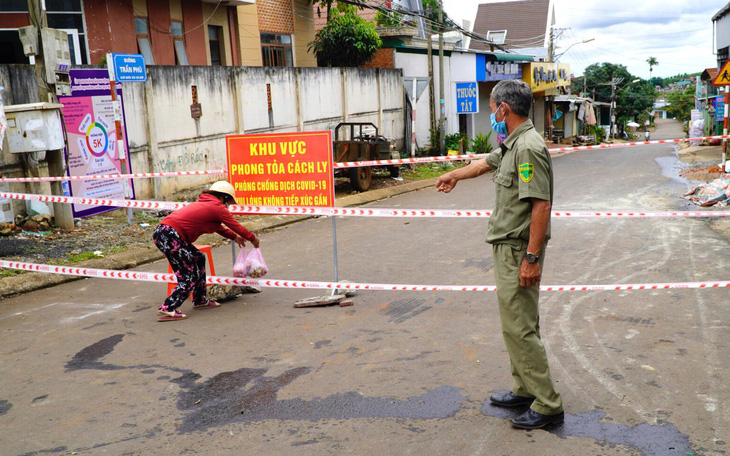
column 446, row 182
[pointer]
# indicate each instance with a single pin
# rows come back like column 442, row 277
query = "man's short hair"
column 516, row 94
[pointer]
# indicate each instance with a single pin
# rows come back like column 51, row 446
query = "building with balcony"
column 172, row 32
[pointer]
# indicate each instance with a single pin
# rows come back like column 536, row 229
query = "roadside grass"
column 76, row 258
column 430, row 170
column 10, row 273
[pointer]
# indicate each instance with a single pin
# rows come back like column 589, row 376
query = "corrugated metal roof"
column 709, row 74
column 721, row 13
column 524, row 20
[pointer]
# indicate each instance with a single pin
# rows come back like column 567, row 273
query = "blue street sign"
column 129, row 68
column 467, row 98
column 719, row 108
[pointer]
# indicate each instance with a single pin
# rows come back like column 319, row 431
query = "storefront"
column 546, row 79
column 490, row 69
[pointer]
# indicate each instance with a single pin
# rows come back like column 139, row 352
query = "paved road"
column 85, row 368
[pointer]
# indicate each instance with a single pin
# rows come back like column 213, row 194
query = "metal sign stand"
column 334, row 244
column 120, row 138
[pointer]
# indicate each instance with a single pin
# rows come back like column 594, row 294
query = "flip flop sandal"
column 174, row 317
column 209, row 305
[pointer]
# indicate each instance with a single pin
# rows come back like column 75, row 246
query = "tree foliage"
column 652, row 61
column 326, row 4
column 664, row 82
column 681, row 104
column 346, row 41
column 388, row 19
column 632, row 99
column 431, row 9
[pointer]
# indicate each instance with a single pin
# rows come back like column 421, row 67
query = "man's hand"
column 446, row 182
column 529, row 274
column 255, row 242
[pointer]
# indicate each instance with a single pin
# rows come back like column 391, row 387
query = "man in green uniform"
column 518, row 230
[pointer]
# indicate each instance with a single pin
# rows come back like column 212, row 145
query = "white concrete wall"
column 163, row 136
column 722, row 32
column 416, row 65
column 462, row 69
column 234, row 101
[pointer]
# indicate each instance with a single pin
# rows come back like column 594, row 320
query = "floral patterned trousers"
column 188, row 264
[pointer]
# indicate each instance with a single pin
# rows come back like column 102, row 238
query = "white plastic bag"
column 239, row 267
column 250, row 264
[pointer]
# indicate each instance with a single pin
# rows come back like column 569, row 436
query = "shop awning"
column 513, row 57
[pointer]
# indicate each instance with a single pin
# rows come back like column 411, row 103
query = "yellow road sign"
column 723, row 76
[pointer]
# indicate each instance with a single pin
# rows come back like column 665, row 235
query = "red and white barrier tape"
column 637, row 143
column 406, row 161
column 221, row 280
column 352, row 212
column 113, row 176
column 552, row 151
column 358, row 164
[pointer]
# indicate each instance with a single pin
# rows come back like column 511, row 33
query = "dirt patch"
column 104, row 234
column 703, row 174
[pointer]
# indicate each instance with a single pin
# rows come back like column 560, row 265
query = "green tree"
column 388, row 19
column 681, row 104
column 652, row 61
column 347, row 40
column 327, row 4
column 431, row 9
column 632, row 99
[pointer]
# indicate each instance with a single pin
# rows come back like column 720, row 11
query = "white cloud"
column 677, row 32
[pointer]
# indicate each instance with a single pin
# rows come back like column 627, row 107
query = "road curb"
column 138, row 256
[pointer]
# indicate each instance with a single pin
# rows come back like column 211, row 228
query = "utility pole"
column 39, row 19
column 614, row 82
column 431, row 94
column 613, row 93
column 442, row 126
column 62, row 212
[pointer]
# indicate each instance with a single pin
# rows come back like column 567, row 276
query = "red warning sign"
column 282, row 169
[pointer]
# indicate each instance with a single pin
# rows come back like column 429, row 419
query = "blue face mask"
column 498, row 127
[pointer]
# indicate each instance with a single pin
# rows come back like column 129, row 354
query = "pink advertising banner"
column 92, row 146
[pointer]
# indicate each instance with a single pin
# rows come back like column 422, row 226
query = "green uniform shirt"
column 523, row 170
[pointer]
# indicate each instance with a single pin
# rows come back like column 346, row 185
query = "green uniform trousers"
column 518, row 310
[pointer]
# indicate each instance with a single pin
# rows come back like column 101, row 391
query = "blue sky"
column 677, row 32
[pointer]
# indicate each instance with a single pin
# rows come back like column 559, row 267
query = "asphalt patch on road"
column 5, row 406
column 247, row 395
column 652, row 440
column 405, row 309
column 89, row 357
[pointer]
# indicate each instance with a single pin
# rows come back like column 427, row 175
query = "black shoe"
column 510, row 400
column 533, row 420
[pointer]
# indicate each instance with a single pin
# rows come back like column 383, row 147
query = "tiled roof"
column 709, row 74
column 524, row 20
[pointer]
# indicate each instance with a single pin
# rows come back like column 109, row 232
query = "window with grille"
column 276, row 50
